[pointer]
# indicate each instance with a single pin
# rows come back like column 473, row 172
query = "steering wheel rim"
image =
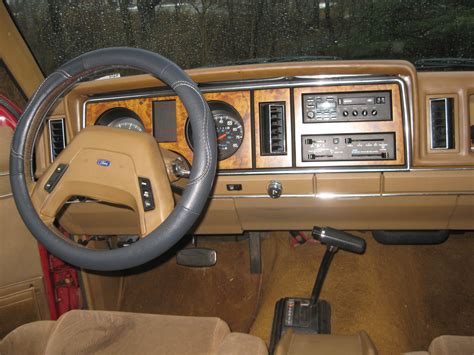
column 194, row 198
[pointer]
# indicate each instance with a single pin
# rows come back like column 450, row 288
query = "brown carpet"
column 227, row 290
column 403, row 296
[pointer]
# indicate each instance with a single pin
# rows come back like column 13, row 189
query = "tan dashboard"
column 401, row 167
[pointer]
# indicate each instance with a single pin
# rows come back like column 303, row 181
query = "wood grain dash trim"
column 143, row 107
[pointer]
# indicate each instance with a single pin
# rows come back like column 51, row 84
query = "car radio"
column 344, row 107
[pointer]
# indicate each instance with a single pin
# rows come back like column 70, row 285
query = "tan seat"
column 321, row 344
column 449, row 345
column 100, row 332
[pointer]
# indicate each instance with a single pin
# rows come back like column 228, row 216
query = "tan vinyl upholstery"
column 320, row 344
column 449, row 345
column 101, row 332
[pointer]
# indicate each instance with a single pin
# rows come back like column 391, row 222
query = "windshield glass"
column 197, row 33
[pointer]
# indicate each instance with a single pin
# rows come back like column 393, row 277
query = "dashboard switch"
column 147, row 194
column 55, row 177
column 234, row 187
column 275, row 189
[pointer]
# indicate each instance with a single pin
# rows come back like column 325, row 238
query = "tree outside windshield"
column 197, row 33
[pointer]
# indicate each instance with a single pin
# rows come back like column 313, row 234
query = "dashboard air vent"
column 57, row 136
column 442, row 123
column 272, row 129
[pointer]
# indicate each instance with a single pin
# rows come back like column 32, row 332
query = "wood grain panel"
column 143, row 107
column 395, row 125
column 242, row 159
column 274, row 161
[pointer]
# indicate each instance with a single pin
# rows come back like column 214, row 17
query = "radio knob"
column 274, row 189
column 345, row 113
column 374, row 112
column 364, row 113
column 355, row 113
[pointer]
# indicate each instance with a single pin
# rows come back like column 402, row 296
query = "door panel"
column 22, row 293
column 22, row 289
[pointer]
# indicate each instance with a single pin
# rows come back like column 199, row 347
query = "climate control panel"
column 348, row 147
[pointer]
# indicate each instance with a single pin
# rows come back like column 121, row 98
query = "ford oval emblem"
column 103, row 162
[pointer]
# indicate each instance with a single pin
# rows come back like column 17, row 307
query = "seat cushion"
column 448, row 345
column 239, row 343
column 100, row 332
column 30, row 338
column 293, row 343
column 452, row 345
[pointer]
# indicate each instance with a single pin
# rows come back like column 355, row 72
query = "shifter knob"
column 339, row 239
column 274, row 189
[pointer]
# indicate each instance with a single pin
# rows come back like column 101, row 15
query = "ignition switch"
column 274, row 189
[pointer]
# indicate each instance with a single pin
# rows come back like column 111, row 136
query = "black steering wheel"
column 32, row 200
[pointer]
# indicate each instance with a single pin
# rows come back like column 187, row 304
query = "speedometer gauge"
column 229, row 129
column 121, row 117
column 130, row 123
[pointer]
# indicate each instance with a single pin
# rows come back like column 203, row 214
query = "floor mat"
column 227, row 290
column 403, row 296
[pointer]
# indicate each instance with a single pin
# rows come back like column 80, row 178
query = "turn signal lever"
column 334, row 239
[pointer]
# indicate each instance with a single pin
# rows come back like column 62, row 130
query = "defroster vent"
column 57, row 136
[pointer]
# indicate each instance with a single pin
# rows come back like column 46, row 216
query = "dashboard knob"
column 274, row 189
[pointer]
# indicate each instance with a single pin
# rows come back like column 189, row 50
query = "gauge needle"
column 222, row 136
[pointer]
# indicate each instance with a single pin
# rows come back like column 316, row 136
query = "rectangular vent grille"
column 272, row 129
column 442, row 123
column 57, row 136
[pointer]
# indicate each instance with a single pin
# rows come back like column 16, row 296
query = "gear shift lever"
column 334, row 239
column 313, row 315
